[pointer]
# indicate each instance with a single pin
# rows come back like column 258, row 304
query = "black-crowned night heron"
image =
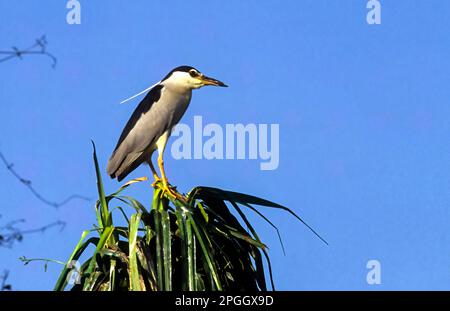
column 152, row 122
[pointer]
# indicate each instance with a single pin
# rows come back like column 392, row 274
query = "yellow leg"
column 166, row 187
column 155, row 175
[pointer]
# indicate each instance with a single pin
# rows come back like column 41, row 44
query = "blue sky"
column 363, row 113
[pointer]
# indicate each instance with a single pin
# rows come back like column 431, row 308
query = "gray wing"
column 144, row 127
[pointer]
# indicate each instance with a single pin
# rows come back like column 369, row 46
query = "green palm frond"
column 194, row 245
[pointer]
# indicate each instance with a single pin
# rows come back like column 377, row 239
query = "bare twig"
column 10, row 233
column 28, row 184
column 4, row 286
column 38, row 48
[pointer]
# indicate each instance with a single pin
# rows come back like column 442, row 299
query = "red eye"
column 193, row 73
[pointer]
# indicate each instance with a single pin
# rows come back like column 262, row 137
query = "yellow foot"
column 157, row 180
column 173, row 192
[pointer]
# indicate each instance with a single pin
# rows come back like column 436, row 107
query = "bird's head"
column 190, row 78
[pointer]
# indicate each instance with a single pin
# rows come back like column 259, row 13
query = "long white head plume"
column 140, row 93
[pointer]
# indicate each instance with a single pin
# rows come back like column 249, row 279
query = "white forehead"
column 179, row 75
column 181, row 80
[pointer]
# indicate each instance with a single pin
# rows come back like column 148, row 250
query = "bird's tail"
column 120, row 168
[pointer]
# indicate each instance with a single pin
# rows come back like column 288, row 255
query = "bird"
column 152, row 122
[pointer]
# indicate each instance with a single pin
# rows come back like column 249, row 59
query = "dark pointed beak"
column 210, row 81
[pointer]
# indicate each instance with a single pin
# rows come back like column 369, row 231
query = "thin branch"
column 38, row 48
column 10, row 233
column 26, row 261
column 3, row 278
column 42, row 229
column 29, row 185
